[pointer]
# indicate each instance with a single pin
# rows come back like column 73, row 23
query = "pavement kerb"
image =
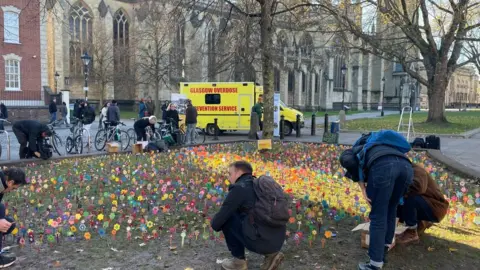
column 437, row 155
column 471, row 133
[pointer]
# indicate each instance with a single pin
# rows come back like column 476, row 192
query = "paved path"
column 320, row 119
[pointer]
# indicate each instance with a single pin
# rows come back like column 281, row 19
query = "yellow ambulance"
column 231, row 103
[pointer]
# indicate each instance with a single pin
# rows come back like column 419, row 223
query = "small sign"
column 265, row 144
column 330, row 137
column 85, row 89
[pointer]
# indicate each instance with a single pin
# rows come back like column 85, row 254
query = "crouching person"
column 243, row 224
column 423, row 205
column 11, row 179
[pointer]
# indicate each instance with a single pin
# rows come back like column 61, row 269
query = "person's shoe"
column 367, row 266
column 6, row 261
column 422, row 226
column 234, row 264
column 272, row 261
column 408, row 236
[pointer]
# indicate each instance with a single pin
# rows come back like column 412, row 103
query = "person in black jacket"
column 191, row 121
column 172, row 115
column 233, row 220
column 3, row 114
column 53, row 110
column 30, row 132
column 388, row 173
column 11, row 179
column 141, row 124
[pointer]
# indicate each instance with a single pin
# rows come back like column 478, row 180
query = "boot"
column 422, row 226
column 410, row 235
column 272, row 261
column 367, row 266
column 234, row 264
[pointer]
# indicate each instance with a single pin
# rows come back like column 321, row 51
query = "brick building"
column 22, row 47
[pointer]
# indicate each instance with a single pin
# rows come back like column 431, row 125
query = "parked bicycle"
column 77, row 138
column 199, row 137
column 112, row 133
column 55, row 139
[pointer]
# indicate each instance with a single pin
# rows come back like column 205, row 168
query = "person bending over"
column 30, row 132
column 141, row 124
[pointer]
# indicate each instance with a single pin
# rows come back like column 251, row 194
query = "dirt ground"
column 340, row 252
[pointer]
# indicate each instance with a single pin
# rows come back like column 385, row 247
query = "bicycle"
column 75, row 139
column 56, row 140
column 199, row 136
column 8, row 139
column 111, row 134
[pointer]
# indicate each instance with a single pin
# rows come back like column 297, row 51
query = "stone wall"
column 39, row 113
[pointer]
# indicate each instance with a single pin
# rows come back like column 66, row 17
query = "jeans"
column 141, row 134
column 388, row 179
column 64, row 118
column 190, row 136
column 415, row 208
column 53, row 117
column 22, row 140
column 9, row 219
column 233, row 232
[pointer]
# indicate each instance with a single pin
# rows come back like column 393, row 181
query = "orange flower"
column 328, row 234
column 291, row 220
column 114, row 232
column 87, row 236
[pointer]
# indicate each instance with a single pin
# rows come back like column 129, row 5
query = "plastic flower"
column 149, row 224
column 101, row 232
column 116, row 227
column 73, row 229
column 100, row 217
column 140, row 198
column 78, row 216
column 328, row 234
column 87, row 236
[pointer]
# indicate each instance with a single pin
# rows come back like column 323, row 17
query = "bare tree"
column 426, row 36
column 154, row 49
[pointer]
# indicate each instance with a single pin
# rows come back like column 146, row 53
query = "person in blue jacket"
column 141, row 109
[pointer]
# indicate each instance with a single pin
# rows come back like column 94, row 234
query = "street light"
column 383, row 97
column 86, row 60
column 344, row 71
column 56, row 80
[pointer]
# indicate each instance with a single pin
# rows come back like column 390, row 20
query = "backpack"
column 383, row 137
column 271, row 204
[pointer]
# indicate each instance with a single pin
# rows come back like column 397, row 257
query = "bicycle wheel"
column 200, row 136
column 180, row 137
column 57, row 142
column 100, row 139
column 69, row 145
column 132, row 135
column 78, row 142
column 124, row 140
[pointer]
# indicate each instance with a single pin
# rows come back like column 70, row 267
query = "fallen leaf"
column 142, row 244
column 452, row 249
column 79, row 250
column 114, row 249
column 431, row 249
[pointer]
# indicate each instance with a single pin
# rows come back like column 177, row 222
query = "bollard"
column 314, row 126
column 215, row 137
column 282, row 127
column 297, row 126
column 325, row 123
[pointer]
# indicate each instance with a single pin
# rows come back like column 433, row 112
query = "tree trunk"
column 436, row 99
column 102, row 94
column 267, row 67
column 157, row 99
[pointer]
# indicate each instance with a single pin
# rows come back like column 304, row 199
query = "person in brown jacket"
column 423, row 204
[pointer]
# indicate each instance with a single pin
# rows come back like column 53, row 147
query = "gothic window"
column 306, row 45
column 80, row 35
column 304, row 82
column 338, row 77
column 291, row 81
column 211, row 38
column 121, row 39
column 317, row 83
column 276, row 80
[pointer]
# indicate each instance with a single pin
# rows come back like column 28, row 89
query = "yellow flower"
column 149, row 224
column 170, row 196
column 314, row 232
column 140, row 198
column 164, row 197
column 78, row 216
column 50, row 222
column 100, row 217
column 73, row 229
column 116, row 227
column 114, row 202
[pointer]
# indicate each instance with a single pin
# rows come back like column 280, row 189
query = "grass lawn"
column 309, row 114
column 459, row 122
column 128, row 114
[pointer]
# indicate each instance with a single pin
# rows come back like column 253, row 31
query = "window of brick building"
column 11, row 24
column 12, row 72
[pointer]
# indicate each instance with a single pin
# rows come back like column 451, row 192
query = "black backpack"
column 271, row 204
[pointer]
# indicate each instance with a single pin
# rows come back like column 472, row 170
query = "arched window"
column 121, row 38
column 80, row 35
column 211, row 38
column 306, row 45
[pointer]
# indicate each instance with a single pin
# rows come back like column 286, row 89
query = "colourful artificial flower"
column 116, row 227
column 73, row 229
column 87, row 236
column 100, row 217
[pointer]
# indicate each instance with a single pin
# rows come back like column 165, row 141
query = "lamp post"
column 383, row 97
column 56, row 81
column 344, row 71
column 86, row 60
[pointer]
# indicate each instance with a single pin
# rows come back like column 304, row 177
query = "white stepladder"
column 410, row 129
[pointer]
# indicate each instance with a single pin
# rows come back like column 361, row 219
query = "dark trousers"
column 53, row 117
column 22, row 140
column 233, row 232
column 9, row 219
column 260, row 123
column 1, row 125
column 388, row 179
column 141, row 134
column 414, row 209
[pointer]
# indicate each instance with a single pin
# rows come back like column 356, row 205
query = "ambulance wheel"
column 211, row 129
column 287, row 128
